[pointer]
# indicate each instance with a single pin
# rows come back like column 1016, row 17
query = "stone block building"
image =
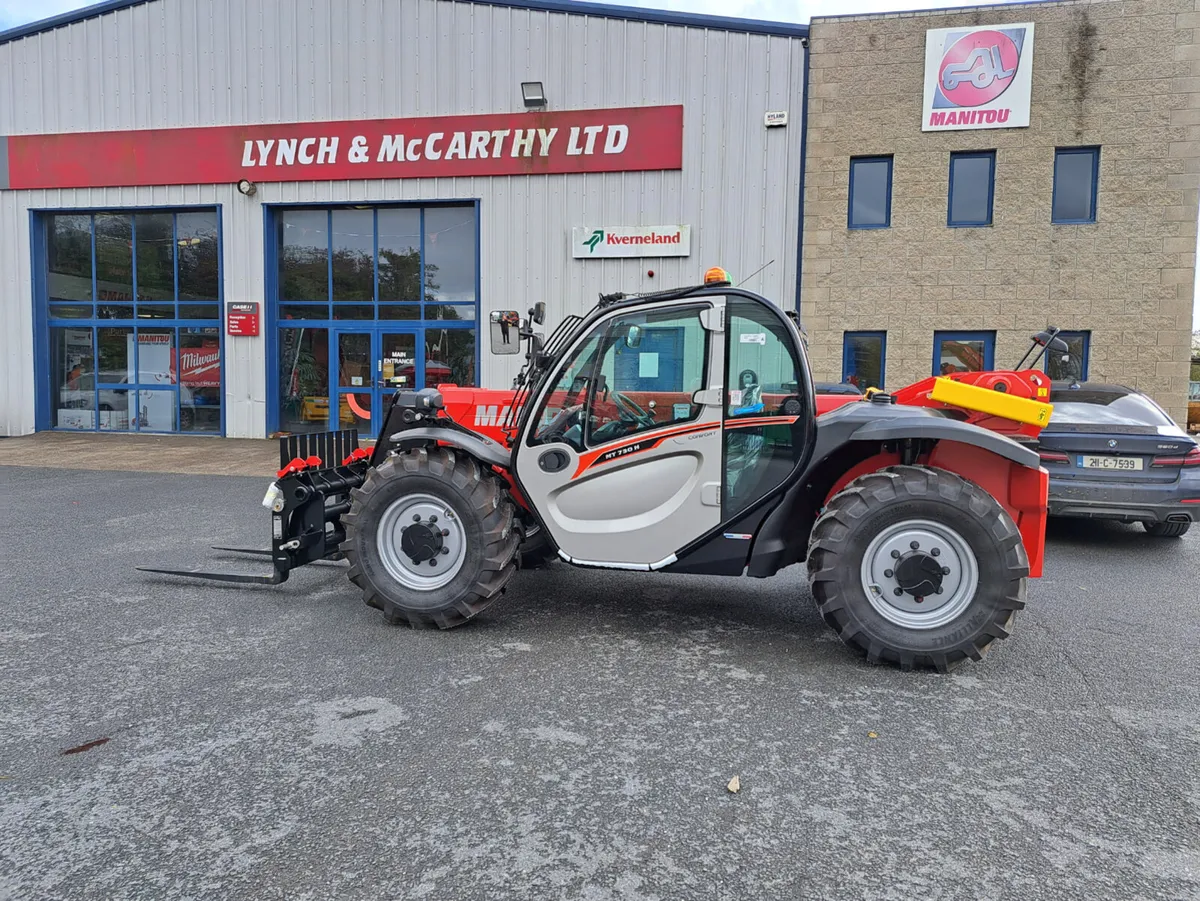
column 928, row 248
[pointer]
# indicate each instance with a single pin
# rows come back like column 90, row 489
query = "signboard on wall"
column 592, row 242
column 242, row 319
column 597, row 140
column 978, row 77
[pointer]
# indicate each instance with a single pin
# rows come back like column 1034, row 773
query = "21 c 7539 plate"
column 1119, row 464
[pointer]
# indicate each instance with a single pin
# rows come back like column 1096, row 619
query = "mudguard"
column 483, row 449
column 867, row 436
column 924, row 423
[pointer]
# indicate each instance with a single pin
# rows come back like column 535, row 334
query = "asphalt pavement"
column 169, row 740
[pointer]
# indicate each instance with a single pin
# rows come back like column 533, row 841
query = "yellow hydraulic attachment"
column 991, row 402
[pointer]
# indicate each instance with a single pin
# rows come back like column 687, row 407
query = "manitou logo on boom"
column 491, row 416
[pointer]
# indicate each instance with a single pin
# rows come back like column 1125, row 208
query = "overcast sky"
column 18, row 12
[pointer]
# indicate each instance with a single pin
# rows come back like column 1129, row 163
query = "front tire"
column 917, row 567
column 430, row 538
column 535, row 551
column 1167, row 529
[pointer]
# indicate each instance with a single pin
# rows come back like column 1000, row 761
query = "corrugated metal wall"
column 214, row 62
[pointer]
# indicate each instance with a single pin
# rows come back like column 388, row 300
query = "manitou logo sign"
column 491, row 415
column 978, row 77
column 652, row 241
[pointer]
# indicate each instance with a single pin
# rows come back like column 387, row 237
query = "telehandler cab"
column 678, row 432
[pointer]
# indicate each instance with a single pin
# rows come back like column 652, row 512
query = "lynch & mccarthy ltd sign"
column 544, row 143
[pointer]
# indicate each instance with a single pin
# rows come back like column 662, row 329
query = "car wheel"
column 1167, row 529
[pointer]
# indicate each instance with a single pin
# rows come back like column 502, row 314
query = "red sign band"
column 542, row 143
column 242, row 318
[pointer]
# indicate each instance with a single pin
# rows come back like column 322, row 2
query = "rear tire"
column 875, row 520
column 1167, row 529
column 465, row 548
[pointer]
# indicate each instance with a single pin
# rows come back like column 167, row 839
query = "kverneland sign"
column 600, row 140
column 591, row 242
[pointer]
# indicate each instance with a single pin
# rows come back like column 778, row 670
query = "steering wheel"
column 631, row 412
column 562, row 422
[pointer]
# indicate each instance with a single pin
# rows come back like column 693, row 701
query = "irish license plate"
column 1120, row 464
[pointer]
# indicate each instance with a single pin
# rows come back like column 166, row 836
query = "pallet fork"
column 306, row 500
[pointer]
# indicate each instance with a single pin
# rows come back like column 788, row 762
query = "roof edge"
column 932, row 11
column 663, row 16
column 571, row 7
column 69, row 18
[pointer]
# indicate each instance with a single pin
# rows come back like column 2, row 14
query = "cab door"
column 623, row 455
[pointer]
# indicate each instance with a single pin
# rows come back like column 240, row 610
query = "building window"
column 972, row 187
column 1074, row 363
column 864, row 358
column 963, row 352
column 1076, row 174
column 368, row 300
column 132, row 303
column 870, row 192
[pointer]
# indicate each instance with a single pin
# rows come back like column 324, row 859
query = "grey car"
column 1113, row 453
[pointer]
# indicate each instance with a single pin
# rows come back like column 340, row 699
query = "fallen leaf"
column 735, row 785
column 872, row 735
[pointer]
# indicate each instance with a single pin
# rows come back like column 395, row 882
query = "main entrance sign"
column 978, row 77
column 598, row 140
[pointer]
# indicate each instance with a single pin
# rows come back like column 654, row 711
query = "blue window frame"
column 362, row 299
column 1076, row 177
column 870, row 203
column 963, row 352
column 864, row 359
column 127, row 319
column 1075, row 366
column 972, row 189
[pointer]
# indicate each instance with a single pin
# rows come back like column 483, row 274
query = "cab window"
column 764, row 376
column 638, row 372
column 561, row 417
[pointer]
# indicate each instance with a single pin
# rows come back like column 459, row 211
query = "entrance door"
column 625, row 459
column 368, row 365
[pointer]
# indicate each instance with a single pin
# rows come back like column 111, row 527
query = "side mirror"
column 537, row 313
column 1058, row 345
column 505, row 331
column 633, row 338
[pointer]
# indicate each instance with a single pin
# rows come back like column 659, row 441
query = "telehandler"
column 678, row 432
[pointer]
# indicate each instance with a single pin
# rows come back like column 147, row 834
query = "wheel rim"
column 921, row 587
column 432, row 555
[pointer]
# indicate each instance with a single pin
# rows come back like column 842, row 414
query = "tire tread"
column 866, row 495
column 479, row 488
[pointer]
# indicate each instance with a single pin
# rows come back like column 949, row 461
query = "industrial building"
column 253, row 217
column 250, row 218
column 974, row 175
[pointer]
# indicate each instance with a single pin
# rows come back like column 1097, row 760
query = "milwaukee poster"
column 978, row 77
column 599, row 140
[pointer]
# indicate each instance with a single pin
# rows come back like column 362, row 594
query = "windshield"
column 1106, row 408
